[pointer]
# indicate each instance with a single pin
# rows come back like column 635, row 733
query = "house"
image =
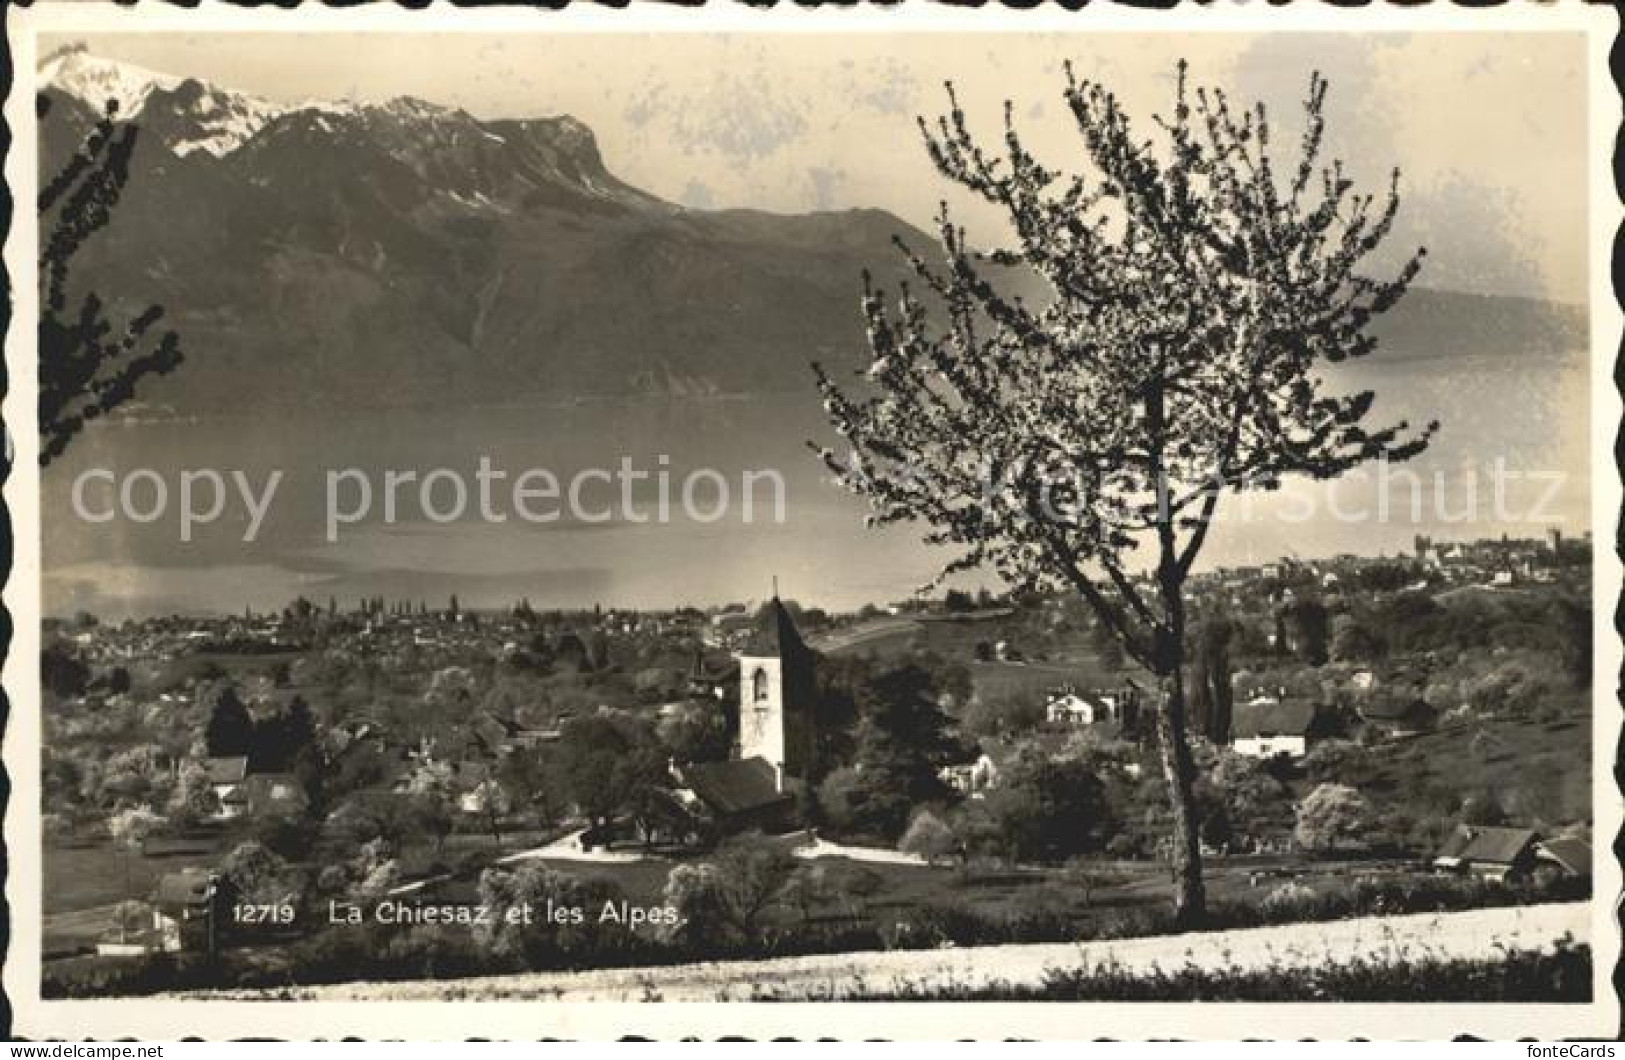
column 1499, row 854
column 1399, row 715
column 1268, row 726
column 468, row 780
column 729, row 625
column 485, row 737
column 1069, row 708
column 706, row 681
column 226, row 776
column 179, row 918
column 971, row 778
column 1566, row 855
column 180, row 908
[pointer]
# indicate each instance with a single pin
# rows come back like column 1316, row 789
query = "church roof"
column 736, row 786
column 774, row 633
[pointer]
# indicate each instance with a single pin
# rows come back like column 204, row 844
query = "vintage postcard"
column 667, row 522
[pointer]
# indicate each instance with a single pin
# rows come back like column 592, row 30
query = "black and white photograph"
column 628, row 515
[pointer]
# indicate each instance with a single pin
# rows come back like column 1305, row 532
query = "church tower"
column 777, row 692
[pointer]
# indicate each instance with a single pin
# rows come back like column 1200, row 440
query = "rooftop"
column 734, row 787
column 774, row 633
column 188, row 887
column 1481, row 843
column 1272, row 717
column 230, row 770
column 1570, row 851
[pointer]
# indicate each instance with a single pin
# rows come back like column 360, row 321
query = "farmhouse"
column 1067, row 707
column 1267, row 727
column 729, row 625
column 180, row 909
column 226, row 776
column 1568, row 855
column 971, row 778
column 1499, row 854
column 706, row 681
column 1399, row 715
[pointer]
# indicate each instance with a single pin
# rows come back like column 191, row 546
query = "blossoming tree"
column 1194, row 286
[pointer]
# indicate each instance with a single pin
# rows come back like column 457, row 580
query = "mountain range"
column 362, row 255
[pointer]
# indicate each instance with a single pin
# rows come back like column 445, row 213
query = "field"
column 997, row 681
column 79, row 877
column 1537, row 769
column 953, row 635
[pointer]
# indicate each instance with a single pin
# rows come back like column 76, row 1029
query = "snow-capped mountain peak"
column 94, row 80
column 200, row 117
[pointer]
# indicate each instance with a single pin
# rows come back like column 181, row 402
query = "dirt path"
column 1478, row 933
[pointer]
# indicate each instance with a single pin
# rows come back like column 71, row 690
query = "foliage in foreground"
column 1562, row 975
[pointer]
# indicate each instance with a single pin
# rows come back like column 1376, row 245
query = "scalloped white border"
column 167, row 1020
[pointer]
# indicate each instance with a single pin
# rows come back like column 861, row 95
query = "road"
column 1473, row 934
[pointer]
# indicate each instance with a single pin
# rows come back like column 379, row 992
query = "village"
column 773, row 778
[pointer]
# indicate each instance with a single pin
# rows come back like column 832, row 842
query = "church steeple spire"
column 777, row 693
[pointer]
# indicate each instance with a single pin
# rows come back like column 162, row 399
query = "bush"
column 929, row 838
column 1041, row 915
column 291, row 837
column 548, row 942
column 1389, row 895
column 1331, row 816
column 1563, row 975
column 1289, row 901
column 1525, row 975
column 125, row 976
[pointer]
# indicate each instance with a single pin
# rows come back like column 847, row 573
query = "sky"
column 790, row 123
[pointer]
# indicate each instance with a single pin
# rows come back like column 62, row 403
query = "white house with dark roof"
column 1267, row 726
column 1069, row 707
column 1498, row 854
column 226, row 778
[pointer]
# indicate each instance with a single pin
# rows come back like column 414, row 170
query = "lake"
column 1531, row 417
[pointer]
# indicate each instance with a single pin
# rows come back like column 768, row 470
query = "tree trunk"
column 1190, row 899
column 1168, row 655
